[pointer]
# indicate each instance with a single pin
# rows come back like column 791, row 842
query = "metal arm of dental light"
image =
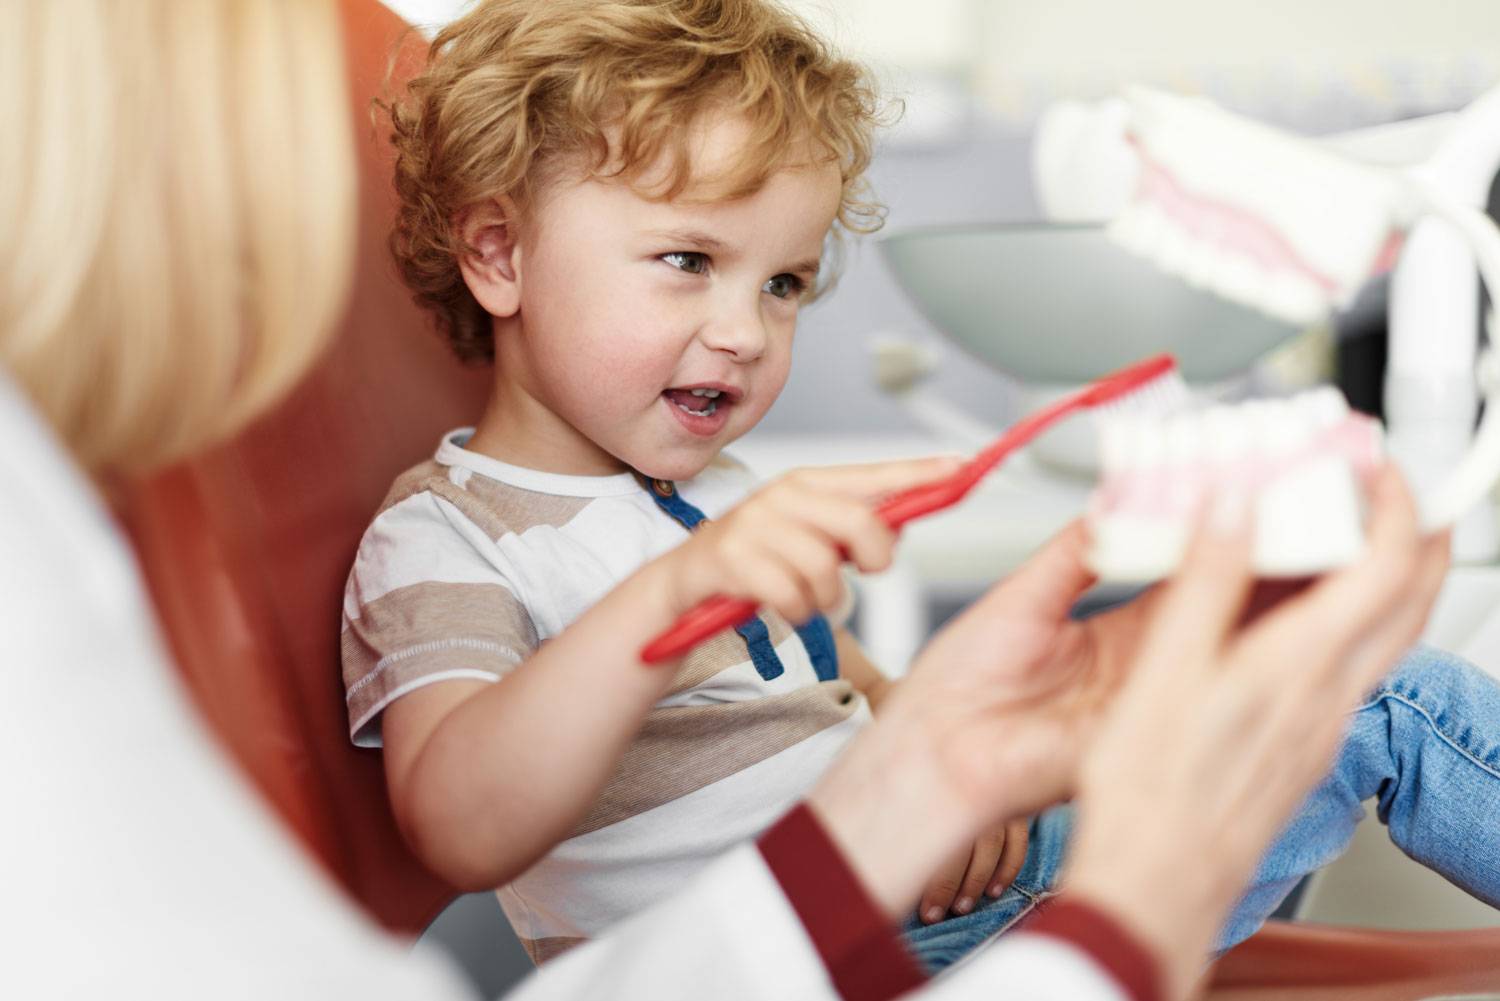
column 1431, row 396
column 1446, row 423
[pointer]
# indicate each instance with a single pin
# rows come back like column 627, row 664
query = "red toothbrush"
column 1154, row 382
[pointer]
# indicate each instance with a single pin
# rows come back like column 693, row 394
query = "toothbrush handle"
column 709, row 616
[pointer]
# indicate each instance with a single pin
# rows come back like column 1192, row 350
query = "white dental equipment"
column 1279, row 224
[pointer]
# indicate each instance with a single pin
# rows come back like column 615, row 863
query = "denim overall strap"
column 816, row 635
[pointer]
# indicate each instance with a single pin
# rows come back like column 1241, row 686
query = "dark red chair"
column 246, row 550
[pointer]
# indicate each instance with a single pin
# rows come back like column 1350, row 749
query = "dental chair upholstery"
column 246, row 551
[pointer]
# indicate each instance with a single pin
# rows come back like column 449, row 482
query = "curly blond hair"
column 516, row 88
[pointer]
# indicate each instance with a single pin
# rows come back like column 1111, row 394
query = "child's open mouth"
column 702, row 410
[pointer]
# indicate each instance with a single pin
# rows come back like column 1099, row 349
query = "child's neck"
column 517, row 429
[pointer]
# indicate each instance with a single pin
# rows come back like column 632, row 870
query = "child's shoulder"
column 451, row 496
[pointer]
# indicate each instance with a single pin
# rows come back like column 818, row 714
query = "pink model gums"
column 1300, row 462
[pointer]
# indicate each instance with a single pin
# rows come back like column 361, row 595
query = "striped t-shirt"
column 472, row 563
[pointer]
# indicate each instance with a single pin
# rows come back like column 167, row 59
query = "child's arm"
column 486, row 778
column 857, row 669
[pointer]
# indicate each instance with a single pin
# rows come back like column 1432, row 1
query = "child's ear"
column 491, row 264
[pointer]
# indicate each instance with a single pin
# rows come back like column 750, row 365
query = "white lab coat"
column 138, row 864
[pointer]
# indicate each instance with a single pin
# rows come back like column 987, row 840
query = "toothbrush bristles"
column 1166, row 394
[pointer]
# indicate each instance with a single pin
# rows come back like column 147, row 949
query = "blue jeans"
column 1425, row 745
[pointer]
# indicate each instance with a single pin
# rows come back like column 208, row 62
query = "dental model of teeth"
column 1297, row 462
column 1283, row 225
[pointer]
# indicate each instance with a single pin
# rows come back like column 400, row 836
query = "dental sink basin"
column 1051, row 303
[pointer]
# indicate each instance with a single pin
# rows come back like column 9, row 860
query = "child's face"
column 627, row 305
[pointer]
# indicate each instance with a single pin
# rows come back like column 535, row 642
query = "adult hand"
column 986, row 728
column 1223, row 727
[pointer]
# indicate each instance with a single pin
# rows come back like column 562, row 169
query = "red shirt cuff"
column 857, row 945
column 1105, row 940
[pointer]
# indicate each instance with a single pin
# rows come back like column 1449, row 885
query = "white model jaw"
column 1299, row 461
column 1259, row 216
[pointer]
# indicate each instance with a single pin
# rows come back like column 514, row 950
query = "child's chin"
column 674, row 467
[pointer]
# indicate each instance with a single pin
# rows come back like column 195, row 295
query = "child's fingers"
column 1012, row 856
column 813, row 558
column 984, row 859
column 942, row 889
column 867, row 481
column 848, row 524
column 767, row 577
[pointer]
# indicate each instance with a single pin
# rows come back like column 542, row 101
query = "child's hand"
column 783, row 545
column 988, row 868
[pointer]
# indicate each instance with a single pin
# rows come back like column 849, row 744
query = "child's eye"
column 690, row 261
column 785, row 286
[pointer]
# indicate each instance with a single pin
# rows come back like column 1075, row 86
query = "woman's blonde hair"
column 177, row 190
column 515, row 86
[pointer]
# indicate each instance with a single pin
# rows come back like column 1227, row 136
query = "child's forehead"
column 710, row 158
column 788, row 216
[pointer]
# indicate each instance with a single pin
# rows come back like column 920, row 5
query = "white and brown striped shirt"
column 472, row 563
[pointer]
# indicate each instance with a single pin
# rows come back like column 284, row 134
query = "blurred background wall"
column 973, row 74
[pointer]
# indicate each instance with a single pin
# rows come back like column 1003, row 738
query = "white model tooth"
column 1184, row 440
column 1175, row 251
column 1151, row 443
column 1293, row 299
column 1236, row 278
column 1283, row 428
column 1144, row 230
column 1325, row 406
column 1114, row 446
column 1226, row 434
column 1201, row 269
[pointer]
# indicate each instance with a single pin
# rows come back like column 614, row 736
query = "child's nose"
column 739, row 332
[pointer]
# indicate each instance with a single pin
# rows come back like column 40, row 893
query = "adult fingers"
column 1048, row 583
column 1343, row 607
column 1201, row 604
column 1373, row 655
